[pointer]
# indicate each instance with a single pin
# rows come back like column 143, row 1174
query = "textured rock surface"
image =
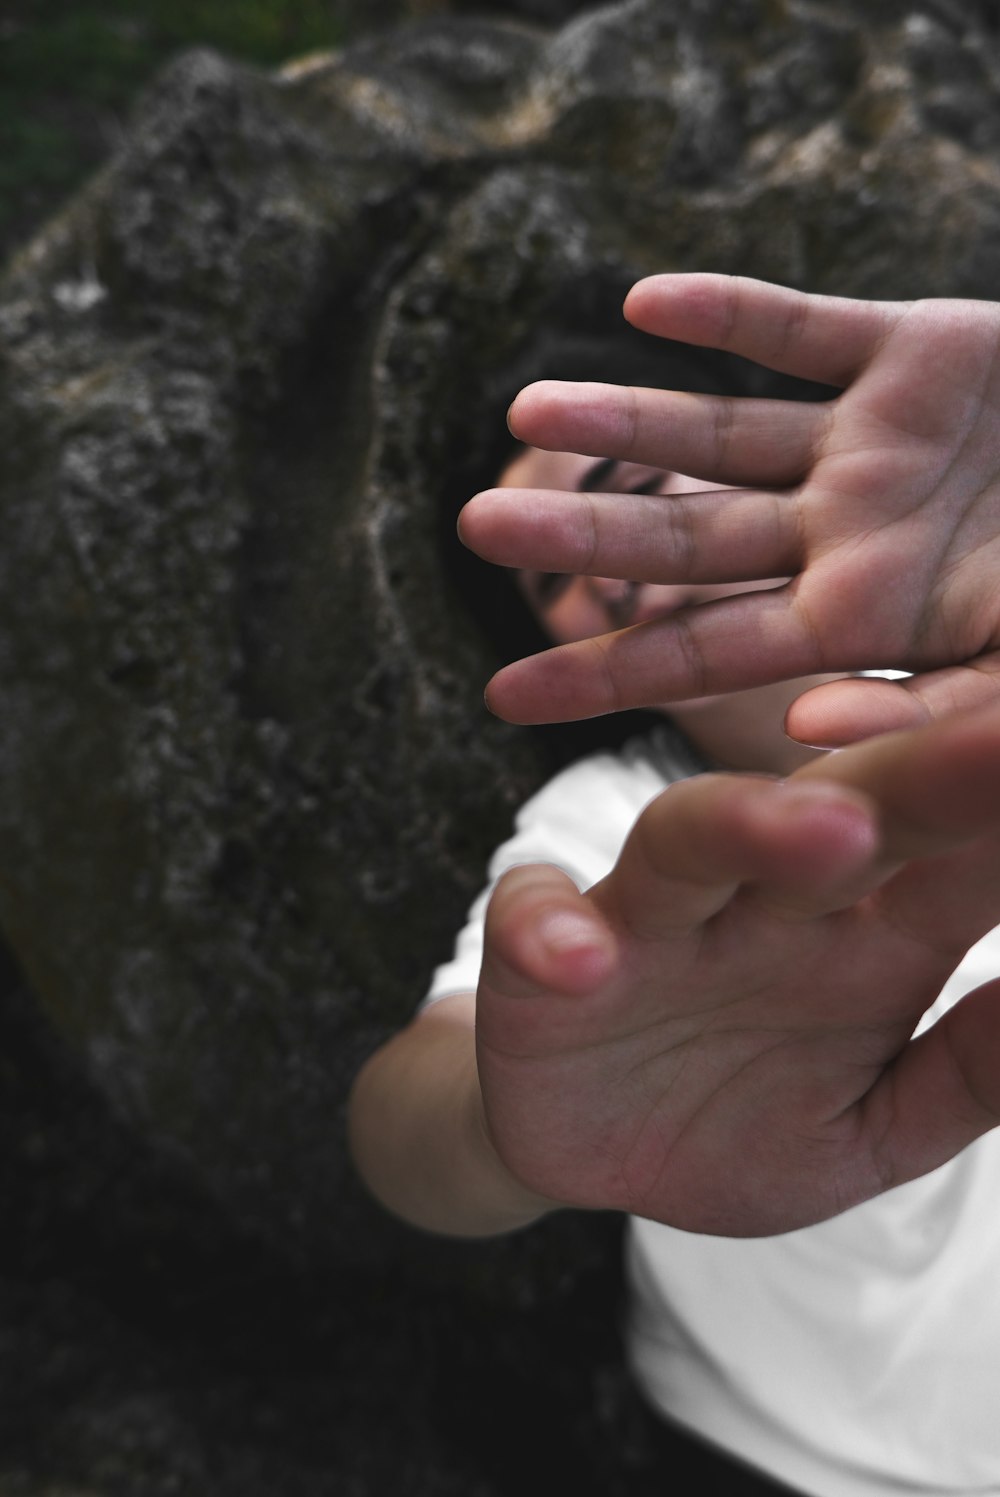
column 246, row 783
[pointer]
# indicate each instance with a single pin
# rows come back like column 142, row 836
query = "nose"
column 615, row 596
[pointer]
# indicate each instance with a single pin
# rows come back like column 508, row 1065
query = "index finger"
column 824, row 338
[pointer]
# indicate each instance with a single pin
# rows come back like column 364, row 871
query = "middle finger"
column 726, row 439
column 729, row 535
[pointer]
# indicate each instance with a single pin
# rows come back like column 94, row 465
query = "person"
column 881, row 505
column 739, row 990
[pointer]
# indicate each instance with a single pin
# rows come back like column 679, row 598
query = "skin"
column 717, row 1035
column 882, row 507
column 736, row 730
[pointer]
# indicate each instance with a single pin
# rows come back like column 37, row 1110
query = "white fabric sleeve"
column 578, row 821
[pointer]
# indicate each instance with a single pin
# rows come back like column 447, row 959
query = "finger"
column 730, row 536
column 714, row 437
column 940, row 1095
column 703, row 838
column 945, row 904
column 935, row 786
column 824, row 338
column 843, row 712
column 934, row 791
column 543, row 937
column 727, row 645
column 936, row 868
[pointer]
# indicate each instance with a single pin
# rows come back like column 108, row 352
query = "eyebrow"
column 595, row 475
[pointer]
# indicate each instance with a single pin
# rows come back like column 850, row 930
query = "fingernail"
column 567, row 930
column 803, row 794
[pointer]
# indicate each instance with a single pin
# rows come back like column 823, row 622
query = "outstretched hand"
column 882, row 507
column 718, row 1035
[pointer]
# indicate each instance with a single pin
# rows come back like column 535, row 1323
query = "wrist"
column 419, row 1132
column 514, row 1204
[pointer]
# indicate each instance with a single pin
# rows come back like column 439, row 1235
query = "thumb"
column 942, row 1093
column 544, row 936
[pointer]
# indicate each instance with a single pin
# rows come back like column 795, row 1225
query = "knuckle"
column 723, row 426
column 789, row 329
column 608, row 689
column 684, row 537
column 630, row 421
column 731, row 306
column 590, row 534
column 694, row 667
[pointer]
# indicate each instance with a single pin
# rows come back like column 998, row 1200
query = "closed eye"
column 546, row 587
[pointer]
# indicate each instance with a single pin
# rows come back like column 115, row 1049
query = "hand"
column 717, row 1036
column 882, row 507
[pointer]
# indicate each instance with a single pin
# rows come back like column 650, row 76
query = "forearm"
column 419, row 1137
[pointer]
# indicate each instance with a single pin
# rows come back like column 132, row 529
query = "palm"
column 900, row 509
column 746, row 1069
column 882, row 507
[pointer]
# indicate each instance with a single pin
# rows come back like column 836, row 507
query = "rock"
column 248, row 787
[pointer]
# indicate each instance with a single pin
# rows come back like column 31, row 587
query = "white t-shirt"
column 856, row 1358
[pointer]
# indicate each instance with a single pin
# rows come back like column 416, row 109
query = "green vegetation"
column 69, row 70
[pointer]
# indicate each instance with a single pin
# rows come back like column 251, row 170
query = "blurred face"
column 576, row 607
column 736, row 730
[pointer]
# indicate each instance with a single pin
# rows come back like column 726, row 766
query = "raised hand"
column 718, row 1035
column 882, row 507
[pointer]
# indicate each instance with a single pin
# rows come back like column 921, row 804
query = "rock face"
column 247, row 786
